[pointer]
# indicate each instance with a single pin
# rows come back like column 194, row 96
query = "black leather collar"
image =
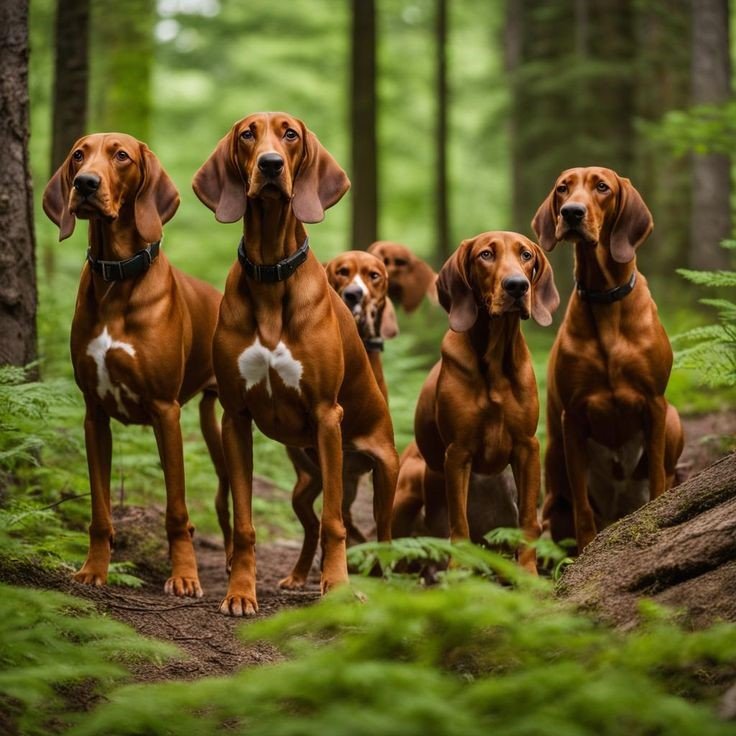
column 127, row 269
column 271, row 274
column 373, row 344
column 607, row 297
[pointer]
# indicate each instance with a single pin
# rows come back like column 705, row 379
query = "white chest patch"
column 256, row 362
column 97, row 350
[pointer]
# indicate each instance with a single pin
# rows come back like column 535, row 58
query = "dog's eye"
column 486, row 254
column 374, row 275
column 122, row 156
column 562, row 188
column 77, row 155
column 601, row 186
column 291, row 134
column 526, row 255
column 247, row 135
column 344, row 271
column 400, row 261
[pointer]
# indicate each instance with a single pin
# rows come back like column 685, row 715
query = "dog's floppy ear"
column 632, row 225
column 545, row 298
column 219, row 184
column 455, row 291
column 157, row 199
column 56, row 198
column 319, row 182
column 389, row 323
column 544, row 222
column 420, row 282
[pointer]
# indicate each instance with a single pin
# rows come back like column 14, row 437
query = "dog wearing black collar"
column 141, row 335
column 613, row 440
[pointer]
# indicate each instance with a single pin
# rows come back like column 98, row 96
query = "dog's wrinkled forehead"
column 588, row 177
column 107, row 143
column 262, row 124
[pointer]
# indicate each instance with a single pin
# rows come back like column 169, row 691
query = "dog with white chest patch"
column 141, row 334
column 362, row 282
column 286, row 351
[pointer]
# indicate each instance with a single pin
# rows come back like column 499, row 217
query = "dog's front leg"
column 184, row 579
column 332, row 533
column 576, row 460
column 237, row 442
column 458, row 462
column 656, row 426
column 98, row 441
column 526, row 467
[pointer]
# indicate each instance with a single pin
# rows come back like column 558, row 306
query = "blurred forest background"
column 450, row 117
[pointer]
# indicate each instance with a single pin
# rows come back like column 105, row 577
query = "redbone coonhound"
column 410, row 278
column 361, row 281
column 478, row 408
column 141, row 335
column 613, row 439
column 286, row 350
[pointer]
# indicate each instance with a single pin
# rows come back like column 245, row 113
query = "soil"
column 207, row 638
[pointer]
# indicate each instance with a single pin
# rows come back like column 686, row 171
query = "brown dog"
column 478, row 408
column 141, row 334
column 286, row 351
column 613, row 440
column 410, row 278
column 360, row 279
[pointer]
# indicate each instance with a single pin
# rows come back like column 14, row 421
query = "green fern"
column 711, row 349
column 50, row 640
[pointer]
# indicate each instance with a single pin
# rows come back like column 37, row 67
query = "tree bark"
column 70, row 77
column 444, row 245
column 679, row 550
column 17, row 242
column 364, row 174
column 710, row 220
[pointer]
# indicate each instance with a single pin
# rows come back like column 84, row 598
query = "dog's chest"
column 113, row 362
column 258, row 364
column 614, row 485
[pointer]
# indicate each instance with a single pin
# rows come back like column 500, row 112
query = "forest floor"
column 208, row 639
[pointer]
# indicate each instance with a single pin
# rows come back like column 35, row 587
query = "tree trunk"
column 679, row 550
column 123, row 44
column 444, row 245
column 364, row 174
column 711, row 85
column 70, row 78
column 17, row 243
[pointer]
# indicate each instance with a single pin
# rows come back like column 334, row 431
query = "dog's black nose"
column 352, row 295
column 573, row 212
column 515, row 286
column 86, row 184
column 270, row 164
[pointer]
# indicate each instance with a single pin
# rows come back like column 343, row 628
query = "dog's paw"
column 293, row 582
column 88, row 576
column 239, row 605
column 181, row 586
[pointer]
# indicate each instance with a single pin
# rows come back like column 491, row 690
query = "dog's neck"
column 115, row 240
column 595, row 268
column 496, row 342
column 271, row 231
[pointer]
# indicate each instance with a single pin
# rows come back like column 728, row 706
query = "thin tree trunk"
column 70, row 78
column 123, row 44
column 444, row 244
column 17, row 243
column 711, row 85
column 364, row 174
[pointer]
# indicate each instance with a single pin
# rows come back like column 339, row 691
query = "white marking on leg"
column 97, row 350
column 255, row 362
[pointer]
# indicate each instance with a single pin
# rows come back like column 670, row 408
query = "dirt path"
column 207, row 638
